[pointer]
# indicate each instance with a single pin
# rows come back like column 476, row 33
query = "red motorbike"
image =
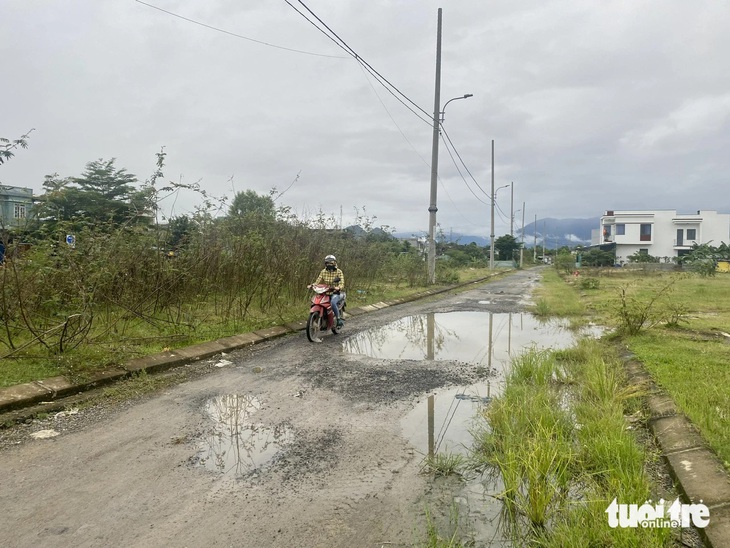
column 321, row 316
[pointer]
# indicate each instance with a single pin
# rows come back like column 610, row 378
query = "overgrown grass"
column 681, row 342
column 155, row 334
column 694, row 371
column 558, row 438
column 554, row 298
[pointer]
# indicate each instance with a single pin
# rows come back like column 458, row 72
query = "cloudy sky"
column 613, row 104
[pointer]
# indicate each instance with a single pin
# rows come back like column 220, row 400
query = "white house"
column 661, row 233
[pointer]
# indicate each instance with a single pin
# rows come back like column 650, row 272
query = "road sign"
column 71, row 240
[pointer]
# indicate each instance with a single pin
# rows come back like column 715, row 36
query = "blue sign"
column 71, row 239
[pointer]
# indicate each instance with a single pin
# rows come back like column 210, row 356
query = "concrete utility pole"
column 511, row 208
column 534, row 246
column 522, row 247
column 491, row 233
column 432, row 209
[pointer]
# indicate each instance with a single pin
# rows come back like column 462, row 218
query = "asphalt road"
column 286, row 444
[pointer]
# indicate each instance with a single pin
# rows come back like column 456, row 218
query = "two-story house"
column 15, row 206
column 661, row 233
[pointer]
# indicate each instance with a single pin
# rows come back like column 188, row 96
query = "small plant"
column 444, row 464
column 542, row 308
column 676, row 313
column 590, row 283
column 434, row 538
column 634, row 313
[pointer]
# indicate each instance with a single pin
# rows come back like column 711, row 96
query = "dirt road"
column 289, row 444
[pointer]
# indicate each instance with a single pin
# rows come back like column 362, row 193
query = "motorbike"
column 321, row 316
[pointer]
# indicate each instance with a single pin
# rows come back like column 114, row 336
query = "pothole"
column 236, row 446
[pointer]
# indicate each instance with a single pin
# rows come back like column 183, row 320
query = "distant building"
column 660, row 233
column 15, row 206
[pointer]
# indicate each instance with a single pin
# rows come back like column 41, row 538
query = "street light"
column 491, row 236
column 443, row 109
column 438, row 117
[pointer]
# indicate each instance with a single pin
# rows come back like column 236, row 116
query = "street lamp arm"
column 443, row 109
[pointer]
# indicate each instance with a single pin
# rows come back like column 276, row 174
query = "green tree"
column 101, row 194
column 7, row 146
column 642, row 257
column 506, row 246
column 250, row 203
column 704, row 257
column 597, row 257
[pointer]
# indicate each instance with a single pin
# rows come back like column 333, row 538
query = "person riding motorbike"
column 332, row 276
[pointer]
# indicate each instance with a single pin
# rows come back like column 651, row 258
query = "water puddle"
column 472, row 337
column 443, row 421
column 236, row 445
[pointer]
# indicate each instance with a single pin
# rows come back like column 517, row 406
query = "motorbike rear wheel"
column 313, row 329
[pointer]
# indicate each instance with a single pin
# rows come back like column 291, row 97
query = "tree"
column 642, row 257
column 704, row 257
column 506, row 246
column 598, row 257
column 102, row 193
column 250, row 203
column 7, row 146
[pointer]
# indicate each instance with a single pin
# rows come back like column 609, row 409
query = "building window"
column 645, row 233
column 692, row 234
column 643, row 251
column 19, row 211
column 620, row 229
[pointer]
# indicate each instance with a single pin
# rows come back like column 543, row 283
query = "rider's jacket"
column 327, row 277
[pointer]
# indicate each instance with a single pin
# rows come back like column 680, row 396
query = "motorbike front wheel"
column 313, row 327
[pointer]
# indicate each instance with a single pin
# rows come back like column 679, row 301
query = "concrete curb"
column 695, row 468
column 21, row 396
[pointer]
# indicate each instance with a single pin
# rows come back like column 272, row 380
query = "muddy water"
column 236, row 445
column 442, row 421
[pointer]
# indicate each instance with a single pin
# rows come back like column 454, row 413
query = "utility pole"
column 432, row 209
column 511, row 208
column 491, row 234
column 543, row 241
column 534, row 246
column 522, row 247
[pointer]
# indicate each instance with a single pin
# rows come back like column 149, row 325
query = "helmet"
column 330, row 259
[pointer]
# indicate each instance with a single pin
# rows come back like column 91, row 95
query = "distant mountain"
column 557, row 233
column 560, row 232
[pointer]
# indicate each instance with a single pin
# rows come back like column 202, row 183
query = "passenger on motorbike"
column 332, row 276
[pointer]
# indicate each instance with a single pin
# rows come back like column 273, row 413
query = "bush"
column 589, row 283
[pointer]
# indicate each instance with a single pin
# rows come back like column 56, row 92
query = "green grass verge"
column 557, row 435
column 688, row 360
column 555, row 298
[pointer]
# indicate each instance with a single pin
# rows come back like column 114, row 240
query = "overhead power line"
column 443, row 129
column 392, row 89
column 446, row 145
column 237, row 35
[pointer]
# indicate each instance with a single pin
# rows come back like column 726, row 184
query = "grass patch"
column 443, row 464
column 555, row 298
column 695, row 374
column 558, row 438
column 680, row 341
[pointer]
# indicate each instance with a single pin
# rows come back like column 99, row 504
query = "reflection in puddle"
column 459, row 336
column 445, row 425
column 237, row 446
column 442, row 420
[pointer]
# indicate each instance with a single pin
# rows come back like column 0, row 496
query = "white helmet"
column 330, row 259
